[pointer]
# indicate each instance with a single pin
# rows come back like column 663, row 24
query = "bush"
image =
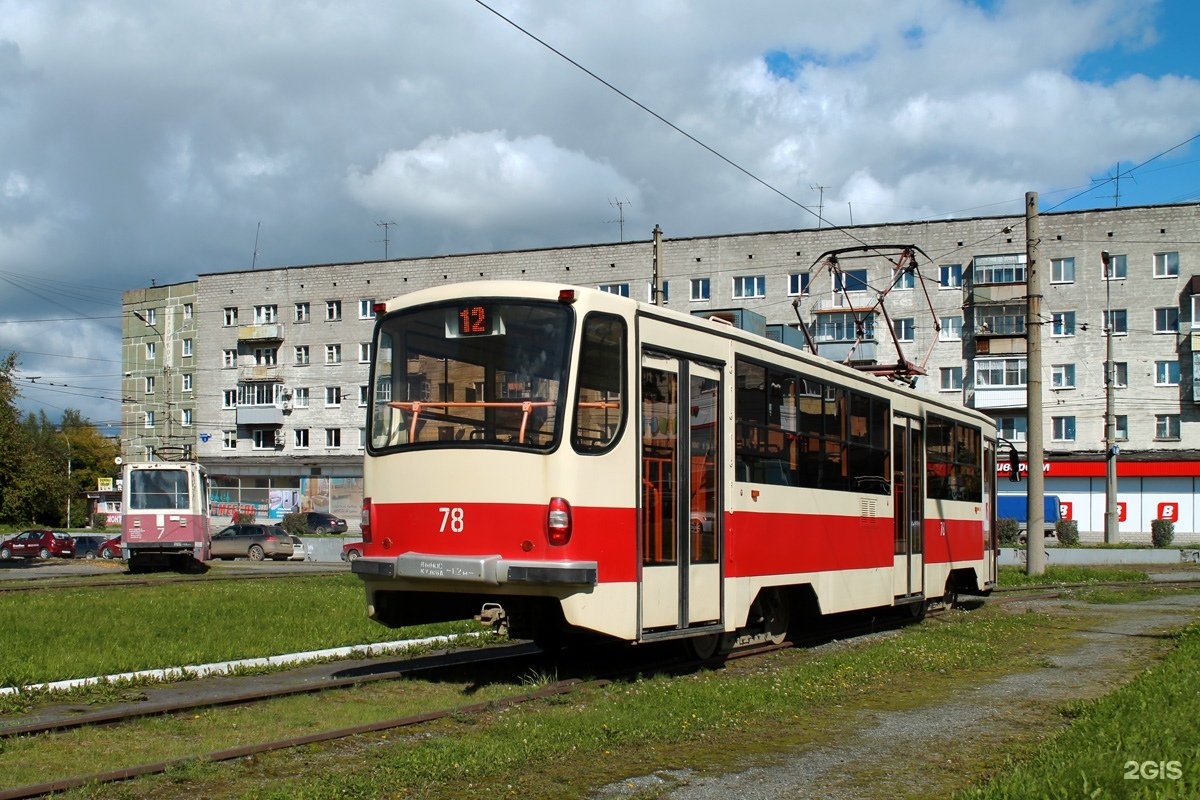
column 1067, row 531
column 243, row 517
column 294, row 523
column 1162, row 531
column 99, row 521
column 1009, row 531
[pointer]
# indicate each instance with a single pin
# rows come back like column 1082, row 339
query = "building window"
column 952, row 379
column 302, row 356
column 1166, row 265
column 266, row 315
column 749, row 286
column 266, row 356
column 229, row 398
column 619, row 289
column 149, row 384
column 1003, row 373
column 185, row 417
column 151, row 350
column 366, row 309
column 1062, row 376
column 1012, row 428
column 905, row 328
column 300, row 438
column 300, row 397
column 1120, row 374
column 798, row 284
column 951, row 329
column 1166, row 373
column 1001, row 320
column 1063, row 429
column 362, row 435
column 1166, row 320
column 151, row 316
column 1118, row 268
column 229, row 440
column 230, row 316
column 333, row 310
column 258, row 394
column 999, row 269
column 187, row 311
column 1121, row 427
column 700, row 289
column 1062, row 323
column 185, row 381
column 149, row 419
column 950, row 276
column 664, row 293
column 186, row 348
column 364, row 352
column 229, row 358
column 1120, row 321
column 1195, row 311
column 1166, row 426
column 263, row 438
column 850, row 280
column 333, row 396
column 905, row 280
column 333, row 354
column 333, row 437
column 302, row 312
column 1062, row 270
column 843, row 327
column 364, row 394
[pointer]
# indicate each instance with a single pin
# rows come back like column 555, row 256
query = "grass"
column 1016, row 576
column 1143, row 740
column 82, row 632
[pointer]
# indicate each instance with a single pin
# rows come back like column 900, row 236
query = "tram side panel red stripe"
column 509, row 530
column 772, row 543
column 962, row 540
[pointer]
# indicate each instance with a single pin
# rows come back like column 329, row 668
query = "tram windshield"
column 159, row 489
column 471, row 373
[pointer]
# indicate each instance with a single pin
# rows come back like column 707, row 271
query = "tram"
column 164, row 524
column 561, row 460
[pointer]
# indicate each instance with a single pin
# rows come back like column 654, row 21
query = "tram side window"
column 952, row 458
column 599, row 403
column 766, row 425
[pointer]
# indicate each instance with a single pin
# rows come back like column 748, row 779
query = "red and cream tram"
column 578, row 461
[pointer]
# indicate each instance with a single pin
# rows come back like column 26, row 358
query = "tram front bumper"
column 491, row 570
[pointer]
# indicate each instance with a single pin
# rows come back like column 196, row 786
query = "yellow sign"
column 104, row 484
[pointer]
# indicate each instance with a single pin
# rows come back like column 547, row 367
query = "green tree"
column 14, row 448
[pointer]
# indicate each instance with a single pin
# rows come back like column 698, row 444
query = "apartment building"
column 263, row 373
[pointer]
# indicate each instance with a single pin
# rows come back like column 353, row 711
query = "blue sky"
column 148, row 143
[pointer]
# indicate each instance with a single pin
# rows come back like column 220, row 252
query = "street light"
column 1111, row 534
column 70, row 485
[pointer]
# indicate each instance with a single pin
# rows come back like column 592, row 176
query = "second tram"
column 164, row 524
column 566, row 460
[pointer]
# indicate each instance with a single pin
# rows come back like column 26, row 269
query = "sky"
column 150, row 142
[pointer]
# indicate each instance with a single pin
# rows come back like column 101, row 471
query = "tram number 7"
column 453, row 519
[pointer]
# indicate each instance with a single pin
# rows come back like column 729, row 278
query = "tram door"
column 908, row 493
column 680, row 483
column 989, row 507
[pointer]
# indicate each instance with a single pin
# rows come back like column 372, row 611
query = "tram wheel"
column 703, row 647
column 776, row 616
column 917, row 610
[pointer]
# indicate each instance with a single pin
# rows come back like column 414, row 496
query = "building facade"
column 263, row 373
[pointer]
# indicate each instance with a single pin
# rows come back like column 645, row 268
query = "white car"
column 299, row 552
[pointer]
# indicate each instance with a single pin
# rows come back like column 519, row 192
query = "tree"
column 13, row 446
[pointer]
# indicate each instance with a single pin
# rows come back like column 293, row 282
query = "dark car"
column 38, row 544
column 255, row 542
column 323, row 522
column 87, row 545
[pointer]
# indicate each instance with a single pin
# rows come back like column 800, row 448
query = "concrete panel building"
column 263, row 373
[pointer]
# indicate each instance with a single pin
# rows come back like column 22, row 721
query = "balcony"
column 867, row 351
column 259, row 415
column 255, row 372
column 1001, row 397
column 260, row 333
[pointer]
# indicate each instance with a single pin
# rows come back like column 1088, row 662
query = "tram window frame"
column 605, row 354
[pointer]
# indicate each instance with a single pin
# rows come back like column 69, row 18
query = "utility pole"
column 1035, row 540
column 654, row 271
column 1111, row 518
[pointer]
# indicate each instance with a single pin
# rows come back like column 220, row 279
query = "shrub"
column 99, row 521
column 243, row 517
column 294, row 523
column 1067, row 531
column 1009, row 531
column 1162, row 531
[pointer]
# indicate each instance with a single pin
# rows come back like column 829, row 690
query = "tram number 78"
column 453, row 519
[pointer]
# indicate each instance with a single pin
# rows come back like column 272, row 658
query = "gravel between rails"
column 915, row 752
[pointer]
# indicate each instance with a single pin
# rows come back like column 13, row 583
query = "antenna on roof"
column 254, row 257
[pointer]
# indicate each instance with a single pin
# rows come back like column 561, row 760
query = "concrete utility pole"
column 1111, row 518
column 654, row 273
column 1035, row 540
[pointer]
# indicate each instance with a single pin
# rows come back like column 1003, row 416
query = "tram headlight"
column 558, row 521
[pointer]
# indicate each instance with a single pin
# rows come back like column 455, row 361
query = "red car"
column 351, row 550
column 110, row 549
column 38, row 544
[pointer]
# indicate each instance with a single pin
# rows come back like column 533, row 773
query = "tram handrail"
column 416, row 406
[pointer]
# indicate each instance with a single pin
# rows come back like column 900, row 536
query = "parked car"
column 255, row 542
column 351, row 550
column 299, row 552
column 111, row 548
column 38, row 544
column 322, row 522
column 87, row 545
